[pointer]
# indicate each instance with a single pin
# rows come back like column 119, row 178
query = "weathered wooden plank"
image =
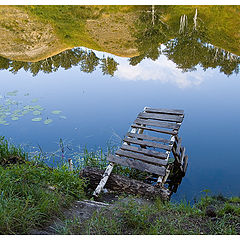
column 141, row 157
column 144, row 151
column 185, row 164
column 182, row 154
column 157, row 123
column 147, row 143
column 160, row 180
column 171, row 132
column 161, row 110
column 103, row 180
column 142, row 166
column 147, row 137
column 162, row 117
column 178, row 147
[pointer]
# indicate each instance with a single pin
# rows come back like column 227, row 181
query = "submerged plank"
column 162, row 117
column 147, row 152
column 141, row 157
column 142, row 166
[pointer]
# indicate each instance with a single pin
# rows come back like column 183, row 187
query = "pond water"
column 89, row 98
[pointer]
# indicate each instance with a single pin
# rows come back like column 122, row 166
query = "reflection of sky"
column 161, row 70
column 100, row 107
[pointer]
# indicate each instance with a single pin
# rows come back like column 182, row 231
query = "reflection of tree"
column 87, row 60
column 4, row 63
column 188, row 49
column 108, row 66
column 150, row 33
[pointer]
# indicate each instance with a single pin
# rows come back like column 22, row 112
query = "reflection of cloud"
column 161, row 70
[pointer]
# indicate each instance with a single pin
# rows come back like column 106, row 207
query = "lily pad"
column 56, row 112
column 63, row 117
column 25, row 112
column 37, row 119
column 47, row 121
column 2, row 121
column 14, row 118
column 36, row 113
column 13, row 93
column 34, row 100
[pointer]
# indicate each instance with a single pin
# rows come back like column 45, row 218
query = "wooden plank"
column 145, row 151
column 185, row 164
column 142, row 166
column 171, row 132
column 162, row 117
column 160, row 180
column 141, row 157
column 147, row 137
column 103, row 180
column 157, row 124
column 182, row 154
column 161, row 110
column 147, row 143
column 178, row 147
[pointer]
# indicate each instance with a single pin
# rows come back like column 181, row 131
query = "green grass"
column 10, row 152
column 131, row 217
column 68, row 22
column 30, row 193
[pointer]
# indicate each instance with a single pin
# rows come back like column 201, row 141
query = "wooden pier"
column 150, row 152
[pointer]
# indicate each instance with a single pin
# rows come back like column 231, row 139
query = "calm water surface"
column 97, row 111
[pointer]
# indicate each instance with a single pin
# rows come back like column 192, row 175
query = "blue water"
column 99, row 108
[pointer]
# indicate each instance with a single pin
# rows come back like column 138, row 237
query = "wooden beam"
column 121, row 184
column 174, row 132
column 162, row 117
column 162, row 180
column 147, row 137
column 147, row 152
column 165, row 124
column 141, row 157
column 166, row 111
column 182, row 154
column 147, row 143
column 103, row 180
column 142, row 166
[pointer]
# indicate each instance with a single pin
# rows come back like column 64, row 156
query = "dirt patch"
column 113, row 33
column 24, row 38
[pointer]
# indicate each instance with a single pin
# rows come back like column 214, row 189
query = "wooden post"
column 70, row 164
column 162, row 180
column 103, row 180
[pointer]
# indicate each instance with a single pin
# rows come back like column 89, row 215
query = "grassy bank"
column 32, row 194
column 210, row 215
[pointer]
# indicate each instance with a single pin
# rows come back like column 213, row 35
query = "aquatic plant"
column 11, row 109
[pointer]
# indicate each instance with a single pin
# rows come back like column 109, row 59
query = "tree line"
column 85, row 59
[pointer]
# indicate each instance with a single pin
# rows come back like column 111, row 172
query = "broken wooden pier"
column 148, row 152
